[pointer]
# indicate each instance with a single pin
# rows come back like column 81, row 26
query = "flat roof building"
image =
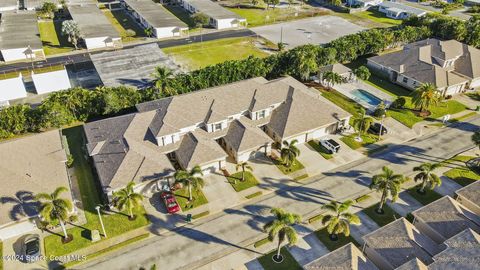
column 152, row 15
column 96, row 30
column 11, row 89
column 220, row 17
column 399, row 11
column 19, row 36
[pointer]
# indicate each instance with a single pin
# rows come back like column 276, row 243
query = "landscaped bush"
column 398, row 103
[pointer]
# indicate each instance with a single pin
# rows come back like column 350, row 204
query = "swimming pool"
column 366, row 97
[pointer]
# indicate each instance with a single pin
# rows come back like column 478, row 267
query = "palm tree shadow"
column 24, row 205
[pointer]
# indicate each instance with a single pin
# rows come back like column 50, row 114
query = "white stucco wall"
column 98, row 42
column 51, row 81
column 16, row 54
column 165, row 32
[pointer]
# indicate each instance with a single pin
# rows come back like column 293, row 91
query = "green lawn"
column 428, row 197
column 320, row 149
column 460, row 173
column 250, row 181
column 342, row 101
column 370, row 18
column 366, row 140
column 342, row 240
column 289, row 263
column 474, row 95
column 115, row 224
column 199, row 55
column 297, row 165
column 382, row 220
column 52, row 39
column 408, row 117
column 257, row 16
column 198, row 198
column 122, row 21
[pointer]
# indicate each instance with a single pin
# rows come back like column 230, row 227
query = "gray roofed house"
column 413, row 264
column 462, row 252
column 469, row 196
column 29, row 165
column 397, row 243
column 244, row 135
column 96, row 30
column 131, row 66
column 220, row 17
column 7, row 5
column 155, row 16
column 348, row 257
column 450, row 65
column 445, row 218
column 397, row 10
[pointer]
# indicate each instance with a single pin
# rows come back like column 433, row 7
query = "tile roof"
column 447, row 217
column 400, row 242
column 471, row 192
column 462, row 252
column 348, row 257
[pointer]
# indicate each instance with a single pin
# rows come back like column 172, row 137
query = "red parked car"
column 170, row 202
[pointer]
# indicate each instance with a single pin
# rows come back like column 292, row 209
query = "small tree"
column 54, row 209
column 190, row 179
column 48, row 9
column 361, row 125
column 339, row 219
column 244, row 166
column 427, row 177
column 362, row 73
column 254, row 2
column 127, row 199
column 148, row 31
column 71, row 30
column 388, row 183
column 281, row 46
column 282, row 226
column 289, row 152
column 200, row 19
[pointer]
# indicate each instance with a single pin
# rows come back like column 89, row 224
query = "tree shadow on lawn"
column 298, row 193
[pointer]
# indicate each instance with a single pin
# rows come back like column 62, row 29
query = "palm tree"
column 425, row 96
column 427, row 176
column 55, row 209
column 282, row 226
column 332, row 78
column 190, row 179
column 162, row 80
column 290, row 152
column 127, row 198
column 388, row 184
column 339, row 220
column 245, row 166
column 362, row 124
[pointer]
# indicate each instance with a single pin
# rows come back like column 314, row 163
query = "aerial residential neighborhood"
column 239, row 134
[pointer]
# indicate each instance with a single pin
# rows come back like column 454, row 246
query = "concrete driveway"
column 317, row 30
column 12, row 247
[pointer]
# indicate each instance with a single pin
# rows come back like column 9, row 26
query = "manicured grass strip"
column 236, row 181
column 295, row 166
column 382, row 220
column 315, row 218
column 52, row 39
column 301, row 177
column 198, row 198
column 253, row 195
column 460, row 173
column 463, row 117
column 257, row 16
column 343, row 102
column 110, row 249
column 362, row 198
column 200, row 215
column 261, row 242
column 428, row 197
column 288, row 263
column 342, row 240
column 366, row 140
column 202, row 54
column 320, row 149
column 115, row 223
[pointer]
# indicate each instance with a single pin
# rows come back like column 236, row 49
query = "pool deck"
column 348, row 88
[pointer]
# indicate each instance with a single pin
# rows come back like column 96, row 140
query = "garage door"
column 452, row 90
column 300, row 138
column 317, row 134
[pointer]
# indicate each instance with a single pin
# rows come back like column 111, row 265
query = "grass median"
column 238, row 184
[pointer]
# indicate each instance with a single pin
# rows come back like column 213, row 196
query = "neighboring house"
column 397, row 243
column 444, row 218
column 29, row 165
column 462, row 252
column 469, row 196
column 8, row 5
column 413, row 264
column 364, row 3
column 37, row 4
column 12, row 89
column 340, row 69
column 205, row 127
column 131, row 66
column 152, row 15
column 220, row 18
column 346, row 257
column 52, row 81
column 19, row 37
column 95, row 29
column 400, row 11
column 450, row 65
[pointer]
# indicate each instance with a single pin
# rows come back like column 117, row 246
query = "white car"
column 331, row 145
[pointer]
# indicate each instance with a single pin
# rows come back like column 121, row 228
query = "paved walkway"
column 405, row 204
column 308, row 249
column 368, row 226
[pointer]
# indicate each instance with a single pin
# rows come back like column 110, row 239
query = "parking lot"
column 317, row 30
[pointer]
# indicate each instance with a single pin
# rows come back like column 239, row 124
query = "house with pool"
column 453, row 67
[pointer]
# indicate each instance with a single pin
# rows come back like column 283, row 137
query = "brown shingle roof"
column 471, row 192
column 462, row 252
column 348, row 257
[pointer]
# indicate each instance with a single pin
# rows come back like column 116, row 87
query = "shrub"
column 398, row 103
column 70, row 161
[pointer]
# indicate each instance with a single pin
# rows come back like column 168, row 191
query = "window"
column 217, row 127
column 261, row 114
column 405, row 80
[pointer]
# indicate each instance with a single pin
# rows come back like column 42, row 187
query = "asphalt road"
column 235, row 229
column 83, row 56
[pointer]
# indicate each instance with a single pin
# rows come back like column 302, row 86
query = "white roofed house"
column 52, row 81
column 399, row 11
column 152, row 15
column 20, row 37
column 220, row 18
column 11, row 89
column 95, row 29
